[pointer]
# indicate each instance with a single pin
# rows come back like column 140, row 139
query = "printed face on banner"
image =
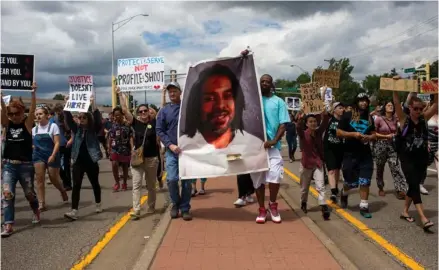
column 81, row 90
column 17, row 72
column 312, row 102
column 293, row 103
column 141, row 74
column 220, row 96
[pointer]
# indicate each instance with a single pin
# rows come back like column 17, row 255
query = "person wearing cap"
column 333, row 149
column 358, row 129
column 167, row 130
column 144, row 136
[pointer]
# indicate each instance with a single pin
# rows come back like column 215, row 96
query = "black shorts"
column 333, row 158
column 357, row 169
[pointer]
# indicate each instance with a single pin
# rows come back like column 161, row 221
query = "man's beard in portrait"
column 221, row 126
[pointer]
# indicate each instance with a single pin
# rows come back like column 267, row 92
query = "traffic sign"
column 290, row 89
column 409, row 70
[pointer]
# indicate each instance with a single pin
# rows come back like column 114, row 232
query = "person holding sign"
column 46, row 155
column 358, row 129
column 311, row 142
column 276, row 116
column 412, row 147
column 17, row 159
column 86, row 152
column 145, row 150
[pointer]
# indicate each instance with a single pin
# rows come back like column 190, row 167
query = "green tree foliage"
column 303, row 78
column 59, row 97
column 434, row 70
column 349, row 88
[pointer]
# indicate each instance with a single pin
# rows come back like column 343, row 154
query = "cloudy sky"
column 74, row 38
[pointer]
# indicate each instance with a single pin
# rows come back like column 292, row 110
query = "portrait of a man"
column 213, row 123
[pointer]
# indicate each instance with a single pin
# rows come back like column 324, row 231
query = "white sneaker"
column 424, row 191
column 240, row 202
column 249, row 199
column 98, row 208
column 72, row 215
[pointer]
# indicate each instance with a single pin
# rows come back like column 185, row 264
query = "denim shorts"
column 41, row 157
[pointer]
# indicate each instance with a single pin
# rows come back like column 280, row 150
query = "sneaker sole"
column 71, row 218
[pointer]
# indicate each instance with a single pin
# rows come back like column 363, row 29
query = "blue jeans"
column 182, row 201
column 11, row 174
column 292, row 145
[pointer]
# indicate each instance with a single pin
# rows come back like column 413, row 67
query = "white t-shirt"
column 54, row 130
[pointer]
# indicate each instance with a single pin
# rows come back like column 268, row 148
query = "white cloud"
column 74, row 38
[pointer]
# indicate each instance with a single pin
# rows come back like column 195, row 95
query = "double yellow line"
column 398, row 254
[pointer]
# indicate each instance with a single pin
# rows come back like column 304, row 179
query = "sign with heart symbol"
column 140, row 74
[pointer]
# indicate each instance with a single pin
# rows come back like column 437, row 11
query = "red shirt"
column 312, row 145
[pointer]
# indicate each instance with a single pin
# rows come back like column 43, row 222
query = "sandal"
column 409, row 219
column 428, row 225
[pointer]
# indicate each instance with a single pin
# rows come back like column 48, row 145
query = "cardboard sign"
column 141, row 74
column 331, row 78
column 311, row 99
column 401, row 85
column 429, row 87
column 81, row 89
column 17, row 72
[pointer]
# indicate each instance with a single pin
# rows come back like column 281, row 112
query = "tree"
column 59, row 97
column 348, row 89
column 303, row 78
column 283, row 83
column 434, row 69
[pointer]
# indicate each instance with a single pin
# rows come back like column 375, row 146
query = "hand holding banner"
column 81, row 90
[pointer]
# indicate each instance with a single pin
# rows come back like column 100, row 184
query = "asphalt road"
column 409, row 238
column 58, row 243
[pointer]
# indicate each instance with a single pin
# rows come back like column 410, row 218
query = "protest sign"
column 221, row 95
column 293, row 103
column 331, row 78
column 400, row 85
column 81, row 89
column 429, row 87
column 141, row 74
column 424, row 97
column 17, row 72
column 311, row 98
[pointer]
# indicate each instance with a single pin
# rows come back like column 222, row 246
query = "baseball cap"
column 173, row 84
column 336, row 104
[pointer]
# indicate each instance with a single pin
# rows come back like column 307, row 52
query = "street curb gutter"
column 148, row 254
column 338, row 255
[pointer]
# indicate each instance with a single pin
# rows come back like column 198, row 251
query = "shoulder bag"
column 137, row 154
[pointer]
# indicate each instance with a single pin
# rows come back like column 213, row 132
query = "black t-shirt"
column 150, row 148
column 365, row 125
column 415, row 140
column 330, row 140
column 18, row 142
column 83, row 155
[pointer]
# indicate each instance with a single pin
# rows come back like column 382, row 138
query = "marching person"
column 311, row 141
column 17, row 160
column 120, row 143
column 291, row 136
column 358, row 129
column 46, row 156
column 145, row 154
column 412, row 148
column 202, row 188
column 245, row 190
column 276, row 116
column 333, row 150
column 86, row 152
column 386, row 125
column 167, row 130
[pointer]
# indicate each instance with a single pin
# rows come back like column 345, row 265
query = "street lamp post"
column 119, row 24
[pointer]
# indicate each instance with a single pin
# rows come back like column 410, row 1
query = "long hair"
column 194, row 100
column 90, row 120
column 383, row 108
column 356, row 110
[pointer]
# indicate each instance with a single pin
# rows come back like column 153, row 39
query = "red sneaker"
column 116, row 187
column 275, row 216
column 262, row 215
column 124, row 187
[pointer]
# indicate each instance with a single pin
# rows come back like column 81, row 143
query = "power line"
column 378, row 45
column 390, row 45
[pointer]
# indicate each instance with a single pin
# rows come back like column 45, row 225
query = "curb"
column 148, row 254
column 338, row 255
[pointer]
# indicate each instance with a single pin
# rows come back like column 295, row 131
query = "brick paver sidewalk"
column 224, row 237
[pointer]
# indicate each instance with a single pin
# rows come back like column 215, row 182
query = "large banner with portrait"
column 221, row 127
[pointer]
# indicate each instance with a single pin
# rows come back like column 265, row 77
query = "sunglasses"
column 143, row 111
column 418, row 109
column 11, row 114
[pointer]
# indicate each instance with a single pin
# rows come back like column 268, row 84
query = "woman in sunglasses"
column 46, row 155
column 145, row 137
column 412, row 148
column 86, row 152
column 17, row 160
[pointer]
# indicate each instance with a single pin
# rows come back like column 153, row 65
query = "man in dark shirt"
column 167, row 127
column 358, row 129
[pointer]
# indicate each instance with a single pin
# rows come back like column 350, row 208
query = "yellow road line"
column 398, row 254
column 110, row 234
